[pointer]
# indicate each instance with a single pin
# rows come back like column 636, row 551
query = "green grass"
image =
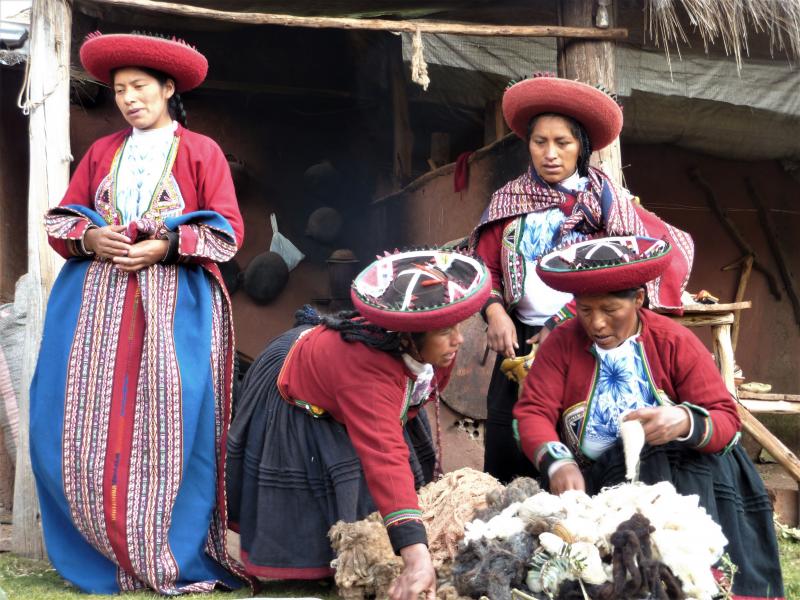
column 26, row 579
column 790, row 563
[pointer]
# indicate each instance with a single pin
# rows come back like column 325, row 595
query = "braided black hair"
column 176, row 109
column 578, row 132
column 354, row 328
column 175, row 104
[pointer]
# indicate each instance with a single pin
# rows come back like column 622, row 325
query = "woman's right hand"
column 501, row 336
column 567, row 477
column 107, row 242
column 418, row 575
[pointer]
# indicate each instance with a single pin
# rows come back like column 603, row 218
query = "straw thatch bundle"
column 726, row 20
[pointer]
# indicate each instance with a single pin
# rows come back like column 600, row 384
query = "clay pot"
column 321, row 180
column 324, row 225
column 231, row 275
column 265, row 277
column 238, row 172
column 343, row 266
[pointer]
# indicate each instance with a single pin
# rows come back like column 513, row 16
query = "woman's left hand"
column 142, row 254
column 662, row 424
column 418, row 576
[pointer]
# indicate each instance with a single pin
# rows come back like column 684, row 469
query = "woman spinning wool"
column 617, row 361
column 560, row 199
column 131, row 397
column 330, row 424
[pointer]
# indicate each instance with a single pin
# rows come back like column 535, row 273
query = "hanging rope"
column 24, row 101
column 419, row 68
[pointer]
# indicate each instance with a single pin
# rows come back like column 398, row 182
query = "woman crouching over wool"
column 330, row 424
column 617, row 361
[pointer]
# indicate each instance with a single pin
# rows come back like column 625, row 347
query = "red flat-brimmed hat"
column 101, row 54
column 605, row 265
column 596, row 110
column 421, row 290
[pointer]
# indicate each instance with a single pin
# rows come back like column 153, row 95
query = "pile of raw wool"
column 365, row 563
column 577, row 537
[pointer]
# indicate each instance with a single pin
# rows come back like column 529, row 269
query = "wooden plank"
column 410, row 26
column 716, row 308
column 784, row 457
column 704, row 320
column 770, row 397
column 48, row 103
column 771, row 407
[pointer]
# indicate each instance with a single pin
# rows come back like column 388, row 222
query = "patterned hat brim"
column 369, row 285
column 605, row 278
column 599, row 114
column 102, row 53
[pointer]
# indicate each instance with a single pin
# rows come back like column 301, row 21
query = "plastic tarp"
column 698, row 102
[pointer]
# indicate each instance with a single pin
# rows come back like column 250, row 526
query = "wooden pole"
column 410, row 26
column 48, row 103
column 729, row 226
column 593, row 62
column 403, row 135
column 775, row 247
column 744, row 277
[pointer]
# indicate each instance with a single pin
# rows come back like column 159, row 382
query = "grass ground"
column 25, row 579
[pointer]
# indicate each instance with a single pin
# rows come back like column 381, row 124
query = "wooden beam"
column 403, row 135
column 744, row 278
column 775, row 247
column 777, row 449
column 410, row 26
column 591, row 61
column 733, row 231
column 48, row 103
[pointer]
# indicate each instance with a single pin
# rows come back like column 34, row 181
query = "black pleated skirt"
column 290, row 476
column 732, row 492
column 503, row 458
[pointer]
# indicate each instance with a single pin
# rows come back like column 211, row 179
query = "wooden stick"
column 768, row 397
column 785, row 457
column 775, row 248
column 410, row 26
column 733, row 231
column 744, row 277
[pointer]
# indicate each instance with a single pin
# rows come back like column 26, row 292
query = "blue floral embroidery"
column 622, row 385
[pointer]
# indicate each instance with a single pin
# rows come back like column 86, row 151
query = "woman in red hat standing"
column 617, row 361
column 560, row 199
column 130, row 401
column 330, row 424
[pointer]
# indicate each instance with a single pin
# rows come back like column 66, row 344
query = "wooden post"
column 591, row 62
column 48, row 102
column 403, row 136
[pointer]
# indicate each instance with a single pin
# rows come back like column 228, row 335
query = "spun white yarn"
column 419, row 68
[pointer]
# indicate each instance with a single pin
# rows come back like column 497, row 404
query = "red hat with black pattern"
column 592, row 107
column 100, row 54
column 605, row 265
column 421, row 290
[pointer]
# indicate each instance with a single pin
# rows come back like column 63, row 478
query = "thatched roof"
column 729, row 22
